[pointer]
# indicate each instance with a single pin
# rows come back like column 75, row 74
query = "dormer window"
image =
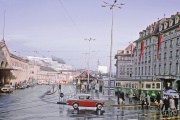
column 140, row 35
column 170, row 22
column 160, row 27
column 144, row 33
column 176, row 19
column 165, row 25
column 151, row 29
column 147, row 32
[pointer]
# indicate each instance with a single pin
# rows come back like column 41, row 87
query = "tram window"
column 127, row 85
column 136, row 85
column 132, row 85
column 153, row 85
column 142, row 85
column 157, row 85
column 148, row 85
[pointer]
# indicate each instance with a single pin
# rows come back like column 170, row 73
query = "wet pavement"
column 35, row 104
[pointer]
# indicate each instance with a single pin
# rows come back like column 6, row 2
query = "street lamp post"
column 90, row 39
column 106, row 4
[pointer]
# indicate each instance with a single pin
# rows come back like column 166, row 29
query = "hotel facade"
column 156, row 55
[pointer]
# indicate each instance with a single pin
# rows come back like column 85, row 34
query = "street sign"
column 61, row 95
column 60, row 86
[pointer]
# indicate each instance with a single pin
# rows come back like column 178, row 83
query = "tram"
column 147, row 86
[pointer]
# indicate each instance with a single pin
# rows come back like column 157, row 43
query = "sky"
column 59, row 27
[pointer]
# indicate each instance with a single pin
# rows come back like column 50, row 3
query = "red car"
column 85, row 100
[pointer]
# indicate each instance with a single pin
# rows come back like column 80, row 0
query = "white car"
column 7, row 88
column 171, row 93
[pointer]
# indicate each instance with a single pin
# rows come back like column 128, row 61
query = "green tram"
column 137, row 86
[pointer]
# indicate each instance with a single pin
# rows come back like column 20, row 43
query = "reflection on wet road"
column 35, row 104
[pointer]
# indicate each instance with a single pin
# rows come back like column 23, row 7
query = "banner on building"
column 159, row 45
column 141, row 50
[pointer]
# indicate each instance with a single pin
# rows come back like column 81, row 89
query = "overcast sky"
column 59, row 27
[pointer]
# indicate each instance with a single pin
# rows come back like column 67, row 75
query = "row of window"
column 19, row 64
column 143, row 70
column 136, row 85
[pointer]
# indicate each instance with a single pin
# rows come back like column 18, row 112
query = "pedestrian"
column 176, row 102
column 172, row 105
column 118, row 96
column 166, row 104
column 130, row 95
column 158, row 98
column 122, row 96
column 142, row 99
column 147, row 101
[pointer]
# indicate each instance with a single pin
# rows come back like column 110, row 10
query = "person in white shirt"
column 172, row 105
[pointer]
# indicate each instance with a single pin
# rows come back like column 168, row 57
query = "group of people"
column 145, row 100
column 170, row 103
column 167, row 103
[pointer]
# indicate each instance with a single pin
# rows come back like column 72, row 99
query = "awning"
column 7, row 69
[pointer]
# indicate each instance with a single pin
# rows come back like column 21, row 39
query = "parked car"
column 85, row 100
column 20, row 86
column 7, row 88
column 171, row 93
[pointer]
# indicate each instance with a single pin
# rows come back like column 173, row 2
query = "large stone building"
column 124, row 63
column 156, row 56
column 13, row 69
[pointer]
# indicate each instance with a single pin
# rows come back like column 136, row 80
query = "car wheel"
column 75, row 105
column 99, row 106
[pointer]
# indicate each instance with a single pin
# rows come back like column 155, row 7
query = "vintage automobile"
column 171, row 93
column 85, row 100
column 7, row 88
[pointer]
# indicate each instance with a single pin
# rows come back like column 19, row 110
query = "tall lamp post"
column 106, row 4
column 90, row 39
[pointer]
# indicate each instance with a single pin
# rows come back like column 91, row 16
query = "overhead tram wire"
column 71, row 18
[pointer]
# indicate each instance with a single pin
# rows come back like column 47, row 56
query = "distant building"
column 13, row 69
column 102, row 69
column 124, row 63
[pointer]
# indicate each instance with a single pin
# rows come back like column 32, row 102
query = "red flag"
column 159, row 45
column 142, row 48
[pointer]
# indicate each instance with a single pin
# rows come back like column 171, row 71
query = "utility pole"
column 90, row 39
column 111, row 8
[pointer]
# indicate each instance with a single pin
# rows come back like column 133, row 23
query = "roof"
column 43, row 68
column 84, row 76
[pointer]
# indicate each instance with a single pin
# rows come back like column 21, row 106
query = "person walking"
column 176, row 102
column 122, row 96
column 118, row 96
column 142, row 99
column 158, row 98
column 166, row 104
column 130, row 95
column 147, row 101
column 172, row 106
